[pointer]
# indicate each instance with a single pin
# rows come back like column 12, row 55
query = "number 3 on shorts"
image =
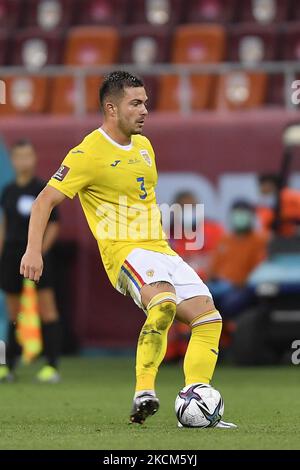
column 141, row 180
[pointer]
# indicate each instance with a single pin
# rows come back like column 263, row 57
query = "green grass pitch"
column 89, row 409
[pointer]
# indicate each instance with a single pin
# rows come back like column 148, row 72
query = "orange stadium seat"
column 102, row 12
column 197, row 93
column 210, row 11
column 263, row 11
column 64, row 95
column 50, row 15
column 145, row 44
column 198, row 45
column 11, row 13
column 25, row 95
column 156, row 12
column 241, row 90
column 91, row 45
column 86, row 45
column 35, row 48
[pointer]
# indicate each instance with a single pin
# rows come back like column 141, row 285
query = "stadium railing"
column 289, row 70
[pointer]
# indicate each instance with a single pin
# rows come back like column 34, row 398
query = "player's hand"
column 31, row 266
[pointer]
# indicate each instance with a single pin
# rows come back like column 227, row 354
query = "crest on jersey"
column 146, row 157
column 150, row 272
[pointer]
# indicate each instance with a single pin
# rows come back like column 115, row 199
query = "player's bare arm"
column 32, row 263
column 50, row 237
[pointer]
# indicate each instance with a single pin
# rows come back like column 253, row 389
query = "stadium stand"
column 84, row 33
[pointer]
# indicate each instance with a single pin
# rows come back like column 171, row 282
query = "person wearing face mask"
column 289, row 200
column 235, row 257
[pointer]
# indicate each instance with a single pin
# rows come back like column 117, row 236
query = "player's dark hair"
column 21, row 143
column 116, row 82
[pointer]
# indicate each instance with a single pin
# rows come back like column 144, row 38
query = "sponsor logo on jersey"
column 116, row 162
column 133, row 160
column 77, row 151
column 146, row 157
column 61, row 173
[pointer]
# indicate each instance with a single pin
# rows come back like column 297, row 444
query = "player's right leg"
column 146, row 279
column 160, row 302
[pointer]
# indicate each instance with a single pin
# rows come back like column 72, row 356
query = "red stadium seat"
column 156, row 12
column 145, row 44
column 51, row 14
column 210, row 11
column 290, row 44
column 151, row 87
column 35, row 48
column 241, row 90
column 64, row 95
column 252, row 43
column 10, row 13
column 26, row 95
column 92, row 45
column 102, row 12
column 3, row 47
column 295, row 10
column 263, row 11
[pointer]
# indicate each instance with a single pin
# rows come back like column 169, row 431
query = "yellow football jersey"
column 116, row 188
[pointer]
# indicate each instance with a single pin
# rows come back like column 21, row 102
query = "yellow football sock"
column 202, row 352
column 152, row 343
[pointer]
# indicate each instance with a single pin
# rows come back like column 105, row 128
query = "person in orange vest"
column 16, row 203
column 289, row 212
column 235, row 257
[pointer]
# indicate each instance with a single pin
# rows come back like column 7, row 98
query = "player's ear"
column 110, row 109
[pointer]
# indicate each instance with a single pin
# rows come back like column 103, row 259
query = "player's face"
column 24, row 160
column 132, row 111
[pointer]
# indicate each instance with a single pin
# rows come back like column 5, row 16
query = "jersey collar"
column 123, row 147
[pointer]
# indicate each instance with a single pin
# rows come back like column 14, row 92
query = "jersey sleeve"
column 75, row 173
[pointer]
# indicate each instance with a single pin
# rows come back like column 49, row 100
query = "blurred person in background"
column 267, row 208
column 16, row 202
column 235, row 257
column 199, row 259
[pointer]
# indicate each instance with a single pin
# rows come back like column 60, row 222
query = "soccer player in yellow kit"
column 114, row 174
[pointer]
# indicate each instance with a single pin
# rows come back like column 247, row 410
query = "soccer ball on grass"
column 199, row 406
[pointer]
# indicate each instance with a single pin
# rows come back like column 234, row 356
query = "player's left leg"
column 196, row 308
column 51, row 332
column 206, row 325
column 203, row 348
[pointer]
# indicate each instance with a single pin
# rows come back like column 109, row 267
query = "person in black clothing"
column 16, row 202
